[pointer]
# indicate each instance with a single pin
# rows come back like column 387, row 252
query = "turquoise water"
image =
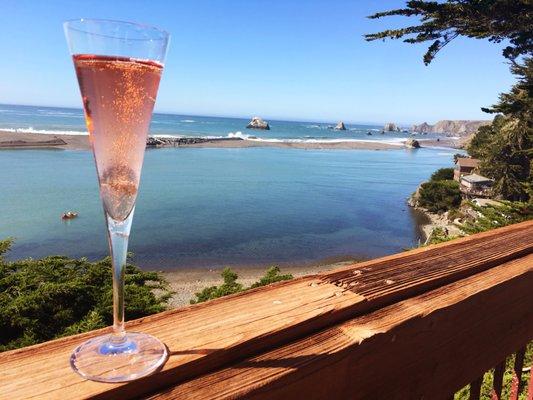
column 215, row 207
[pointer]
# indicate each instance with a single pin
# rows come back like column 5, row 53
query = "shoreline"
column 186, row 282
column 23, row 140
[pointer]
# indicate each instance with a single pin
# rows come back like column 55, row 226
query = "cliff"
column 448, row 127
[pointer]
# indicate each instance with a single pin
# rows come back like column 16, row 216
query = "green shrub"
column 442, row 174
column 230, row 285
column 272, row 275
column 496, row 216
column 57, row 296
column 439, row 196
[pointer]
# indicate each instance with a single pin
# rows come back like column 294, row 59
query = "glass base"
column 103, row 359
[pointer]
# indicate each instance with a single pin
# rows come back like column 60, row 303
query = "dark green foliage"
column 57, row 296
column 230, row 286
column 439, row 196
column 441, row 22
column 442, row 174
column 272, row 275
column 506, row 146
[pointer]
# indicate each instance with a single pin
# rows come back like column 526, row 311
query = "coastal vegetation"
column 441, row 193
column 439, row 196
column 504, row 147
column 57, row 296
column 230, row 284
column 471, row 218
column 442, row 174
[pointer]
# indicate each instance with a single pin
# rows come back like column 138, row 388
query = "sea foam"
column 42, row 131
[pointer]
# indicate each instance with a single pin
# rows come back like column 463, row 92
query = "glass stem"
column 118, row 233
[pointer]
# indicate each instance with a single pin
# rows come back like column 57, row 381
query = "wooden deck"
column 419, row 324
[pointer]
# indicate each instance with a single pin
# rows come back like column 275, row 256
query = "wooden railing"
column 416, row 325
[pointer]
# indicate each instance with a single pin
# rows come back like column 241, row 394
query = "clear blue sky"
column 286, row 59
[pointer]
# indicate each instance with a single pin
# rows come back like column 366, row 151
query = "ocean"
column 212, row 207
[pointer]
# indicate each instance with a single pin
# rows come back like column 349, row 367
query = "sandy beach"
column 186, row 282
column 19, row 140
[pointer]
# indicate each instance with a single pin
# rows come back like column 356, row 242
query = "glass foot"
column 104, row 360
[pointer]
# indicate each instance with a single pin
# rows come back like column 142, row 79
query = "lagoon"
column 205, row 207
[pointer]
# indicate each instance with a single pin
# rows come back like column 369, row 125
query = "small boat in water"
column 69, row 215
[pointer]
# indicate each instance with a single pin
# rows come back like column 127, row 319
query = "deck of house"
column 416, row 325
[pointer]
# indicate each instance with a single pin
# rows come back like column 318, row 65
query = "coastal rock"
column 412, row 201
column 340, row 126
column 391, row 127
column 153, row 141
column 462, row 128
column 412, row 144
column 258, row 123
column 422, row 128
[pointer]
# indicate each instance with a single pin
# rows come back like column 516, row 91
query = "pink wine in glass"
column 118, row 97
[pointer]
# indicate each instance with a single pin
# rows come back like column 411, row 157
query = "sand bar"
column 20, row 140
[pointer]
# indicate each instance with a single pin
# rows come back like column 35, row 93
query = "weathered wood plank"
column 422, row 347
column 208, row 336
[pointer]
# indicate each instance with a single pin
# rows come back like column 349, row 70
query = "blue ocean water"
column 216, row 207
column 71, row 121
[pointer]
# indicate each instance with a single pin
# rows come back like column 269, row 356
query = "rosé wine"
column 118, row 97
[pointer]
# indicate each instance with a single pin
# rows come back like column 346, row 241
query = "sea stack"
column 391, row 127
column 412, row 144
column 340, row 126
column 258, row 123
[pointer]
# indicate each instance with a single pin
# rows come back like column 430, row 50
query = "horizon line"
column 351, row 122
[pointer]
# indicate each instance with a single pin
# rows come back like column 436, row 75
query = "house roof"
column 467, row 162
column 475, row 178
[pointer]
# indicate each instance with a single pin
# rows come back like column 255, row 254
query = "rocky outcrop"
column 258, row 123
column 27, row 143
column 391, row 127
column 422, row 128
column 462, row 128
column 412, row 144
column 154, row 141
column 340, row 126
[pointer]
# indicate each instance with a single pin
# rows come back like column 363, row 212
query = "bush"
column 272, row 275
column 58, row 296
column 439, row 196
column 230, row 285
column 442, row 174
column 496, row 216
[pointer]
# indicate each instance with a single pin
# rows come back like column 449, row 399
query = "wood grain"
column 209, row 336
column 421, row 348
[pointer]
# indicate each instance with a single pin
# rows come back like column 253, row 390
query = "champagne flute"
column 118, row 65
